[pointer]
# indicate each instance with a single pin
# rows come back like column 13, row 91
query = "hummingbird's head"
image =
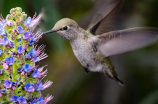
column 66, row 28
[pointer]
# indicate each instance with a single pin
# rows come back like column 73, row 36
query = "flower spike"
column 20, row 76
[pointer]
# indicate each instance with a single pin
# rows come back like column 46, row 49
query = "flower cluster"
column 20, row 77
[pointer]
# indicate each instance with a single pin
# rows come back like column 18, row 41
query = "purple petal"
column 19, row 40
column 1, row 52
column 26, row 35
column 2, row 31
column 5, row 39
column 11, row 44
column 29, row 88
column 14, row 98
column 1, row 71
column 10, row 60
column 36, row 74
column 3, row 91
column 22, row 100
column 27, row 68
column 28, row 21
column 20, row 29
column 7, row 84
column 39, row 87
column 20, row 49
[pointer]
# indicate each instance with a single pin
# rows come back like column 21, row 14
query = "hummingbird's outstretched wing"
column 104, row 19
column 120, row 41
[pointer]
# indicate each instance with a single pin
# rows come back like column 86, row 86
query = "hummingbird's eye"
column 65, row 28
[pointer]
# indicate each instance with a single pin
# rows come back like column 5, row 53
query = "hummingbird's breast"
column 84, row 52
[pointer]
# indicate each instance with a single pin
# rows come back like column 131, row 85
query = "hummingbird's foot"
column 86, row 69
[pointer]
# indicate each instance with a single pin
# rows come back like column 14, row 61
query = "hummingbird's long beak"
column 50, row 31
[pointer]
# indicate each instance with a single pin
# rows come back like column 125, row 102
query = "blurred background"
column 72, row 85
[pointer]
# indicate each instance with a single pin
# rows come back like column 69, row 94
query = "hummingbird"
column 94, row 46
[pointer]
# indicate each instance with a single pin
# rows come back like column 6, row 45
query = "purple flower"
column 10, row 60
column 29, row 55
column 29, row 21
column 1, row 71
column 2, row 42
column 1, row 52
column 36, row 74
column 32, row 54
column 39, row 87
column 32, row 40
column 3, row 91
column 6, row 41
column 31, row 101
column 27, row 68
column 2, row 31
column 4, row 22
column 7, row 84
column 19, row 40
column 11, row 44
column 14, row 98
column 19, row 29
column 22, row 100
column 20, row 49
column 39, row 100
column 14, row 83
column 26, row 35
column 29, row 88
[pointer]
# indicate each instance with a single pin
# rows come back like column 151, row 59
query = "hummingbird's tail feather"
column 119, row 81
column 113, row 76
